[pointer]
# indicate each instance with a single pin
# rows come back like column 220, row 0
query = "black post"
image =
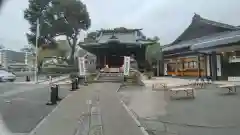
column 53, row 96
column 79, row 79
column 199, row 66
column 85, row 81
column 73, row 85
column 76, row 83
column 27, row 78
column 57, row 91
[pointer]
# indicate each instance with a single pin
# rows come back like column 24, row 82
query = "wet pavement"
column 212, row 112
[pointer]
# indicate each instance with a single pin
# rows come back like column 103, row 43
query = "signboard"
column 126, row 66
column 81, row 66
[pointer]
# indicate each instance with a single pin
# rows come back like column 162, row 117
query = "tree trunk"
column 72, row 45
column 72, row 55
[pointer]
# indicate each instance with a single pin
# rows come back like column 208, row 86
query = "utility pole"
column 36, row 52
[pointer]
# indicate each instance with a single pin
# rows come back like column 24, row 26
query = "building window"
column 186, row 65
column 191, row 64
column 171, row 67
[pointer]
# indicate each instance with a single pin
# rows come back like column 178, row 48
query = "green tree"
column 72, row 19
column 154, row 52
column 38, row 9
column 57, row 18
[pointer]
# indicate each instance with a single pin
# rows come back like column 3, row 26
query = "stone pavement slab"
column 64, row 118
column 115, row 118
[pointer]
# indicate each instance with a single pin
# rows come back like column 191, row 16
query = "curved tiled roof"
column 217, row 40
column 213, row 40
column 202, row 27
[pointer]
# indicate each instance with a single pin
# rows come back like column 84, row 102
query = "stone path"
column 116, row 120
column 64, row 120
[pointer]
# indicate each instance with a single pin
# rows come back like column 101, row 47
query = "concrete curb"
column 133, row 116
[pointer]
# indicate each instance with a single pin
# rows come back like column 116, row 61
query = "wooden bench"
column 157, row 86
column 188, row 90
column 231, row 87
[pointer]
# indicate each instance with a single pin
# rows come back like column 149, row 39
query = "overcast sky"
column 164, row 18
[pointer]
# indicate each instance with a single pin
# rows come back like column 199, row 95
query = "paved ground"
column 116, row 120
column 144, row 102
column 22, row 106
column 213, row 112
column 65, row 119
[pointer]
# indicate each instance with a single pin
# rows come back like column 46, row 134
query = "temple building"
column 111, row 45
column 205, row 48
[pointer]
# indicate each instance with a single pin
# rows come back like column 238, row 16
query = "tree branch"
column 66, row 20
column 69, row 41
